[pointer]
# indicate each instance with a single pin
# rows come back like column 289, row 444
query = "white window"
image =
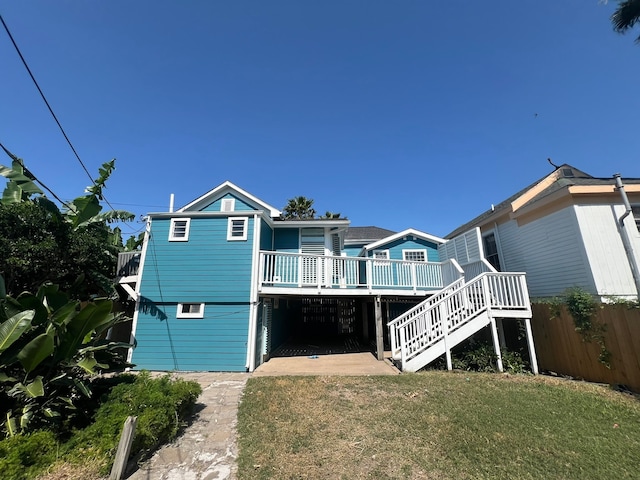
column 381, row 254
column 228, row 205
column 237, row 228
column 190, row 310
column 636, row 215
column 179, row 230
column 414, row 255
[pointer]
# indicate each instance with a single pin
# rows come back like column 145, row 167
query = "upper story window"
column 237, row 228
column 228, row 205
column 491, row 250
column 381, row 254
column 190, row 310
column 636, row 215
column 414, row 255
column 179, row 229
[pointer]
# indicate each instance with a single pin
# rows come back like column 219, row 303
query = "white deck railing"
column 295, row 270
column 435, row 318
column 473, row 269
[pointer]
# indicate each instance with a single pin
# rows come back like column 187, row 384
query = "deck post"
column 379, row 333
column 532, row 347
column 496, row 342
column 503, row 342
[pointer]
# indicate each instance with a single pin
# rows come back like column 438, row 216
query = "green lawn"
column 436, row 425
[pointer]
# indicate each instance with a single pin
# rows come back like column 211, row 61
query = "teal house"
column 225, row 283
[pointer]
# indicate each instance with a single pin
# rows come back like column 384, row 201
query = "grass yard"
column 436, row 425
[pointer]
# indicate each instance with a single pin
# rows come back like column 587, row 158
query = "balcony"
column 128, row 264
column 295, row 273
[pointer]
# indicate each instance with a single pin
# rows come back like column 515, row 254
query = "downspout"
column 628, row 248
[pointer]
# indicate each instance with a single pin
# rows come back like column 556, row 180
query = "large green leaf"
column 37, row 350
column 20, row 185
column 13, row 328
column 35, row 388
column 30, row 302
column 86, row 321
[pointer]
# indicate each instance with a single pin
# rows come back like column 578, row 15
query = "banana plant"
column 50, row 348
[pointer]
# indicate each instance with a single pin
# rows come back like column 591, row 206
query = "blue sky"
column 397, row 114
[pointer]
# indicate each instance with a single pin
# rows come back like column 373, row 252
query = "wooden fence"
column 562, row 350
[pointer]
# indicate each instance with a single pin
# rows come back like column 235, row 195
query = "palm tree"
column 299, row 208
column 331, row 215
column 626, row 16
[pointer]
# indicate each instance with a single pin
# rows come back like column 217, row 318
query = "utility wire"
column 29, row 173
column 24, row 62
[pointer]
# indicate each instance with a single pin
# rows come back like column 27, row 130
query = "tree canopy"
column 74, row 246
column 299, row 208
column 626, row 16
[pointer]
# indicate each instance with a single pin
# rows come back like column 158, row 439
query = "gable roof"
column 564, row 178
column 404, row 233
column 364, row 235
column 220, row 191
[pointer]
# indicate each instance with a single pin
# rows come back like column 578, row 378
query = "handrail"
column 427, row 323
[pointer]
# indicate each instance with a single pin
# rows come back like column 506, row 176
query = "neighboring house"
column 566, row 229
column 225, row 283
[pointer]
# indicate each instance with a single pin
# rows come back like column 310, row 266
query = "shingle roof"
column 366, row 234
column 580, row 178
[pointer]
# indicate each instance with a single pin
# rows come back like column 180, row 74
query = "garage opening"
column 306, row 326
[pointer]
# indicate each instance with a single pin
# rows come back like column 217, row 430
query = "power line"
column 24, row 62
column 29, row 173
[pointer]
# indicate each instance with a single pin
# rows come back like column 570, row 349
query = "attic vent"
column 567, row 172
column 228, row 204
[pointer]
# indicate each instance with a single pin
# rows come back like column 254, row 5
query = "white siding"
column 464, row 248
column 550, row 250
column 605, row 250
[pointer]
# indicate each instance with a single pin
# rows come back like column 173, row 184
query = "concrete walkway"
column 207, row 449
column 345, row 364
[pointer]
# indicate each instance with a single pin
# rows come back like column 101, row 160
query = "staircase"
column 435, row 326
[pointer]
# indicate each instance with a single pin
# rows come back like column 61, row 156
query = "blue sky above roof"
column 395, row 114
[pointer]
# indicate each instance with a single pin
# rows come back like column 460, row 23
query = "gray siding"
column 550, row 250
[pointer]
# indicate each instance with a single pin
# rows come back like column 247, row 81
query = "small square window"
column 228, row 205
column 381, row 254
column 237, row 228
column 179, row 230
column 414, row 255
column 190, row 310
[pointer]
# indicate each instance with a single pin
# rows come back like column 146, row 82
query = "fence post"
column 124, row 447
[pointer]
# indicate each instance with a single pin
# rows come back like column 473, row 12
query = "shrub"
column 22, row 456
column 161, row 405
column 481, row 357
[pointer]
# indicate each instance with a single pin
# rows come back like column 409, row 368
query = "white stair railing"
column 415, row 312
column 433, row 320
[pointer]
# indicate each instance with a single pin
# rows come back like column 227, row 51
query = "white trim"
column 228, row 205
column 136, row 311
column 223, row 189
column 172, row 227
column 253, row 296
column 230, row 225
column 385, row 251
column 415, row 250
column 197, row 314
column 404, row 233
